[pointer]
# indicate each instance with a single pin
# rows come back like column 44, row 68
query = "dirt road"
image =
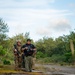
column 42, row 69
column 58, row 70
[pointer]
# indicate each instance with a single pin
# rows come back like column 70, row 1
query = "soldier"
column 17, row 55
column 29, row 50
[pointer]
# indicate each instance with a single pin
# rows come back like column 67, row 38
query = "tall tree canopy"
column 3, row 30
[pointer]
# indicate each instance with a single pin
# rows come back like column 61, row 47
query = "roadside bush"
column 40, row 55
column 69, row 58
column 54, row 59
column 6, row 62
column 58, row 58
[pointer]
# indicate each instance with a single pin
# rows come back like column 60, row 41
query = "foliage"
column 53, row 59
column 6, row 62
column 69, row 57
column 40, row 55
column 57, row 50
column 3, row 30
column 2, row 51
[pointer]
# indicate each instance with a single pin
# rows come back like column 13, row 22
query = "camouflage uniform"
column 18, row 57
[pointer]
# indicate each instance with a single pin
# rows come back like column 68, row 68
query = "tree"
column 3, row 37
column 3, row 30
column 27, row 35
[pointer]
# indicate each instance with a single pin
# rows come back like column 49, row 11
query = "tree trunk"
column 72, row 50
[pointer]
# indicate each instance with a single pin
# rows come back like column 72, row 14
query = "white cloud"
column 61, row 25
column 43, row 31
column 22, row 18
column 55, row 28
column 72, row 4
column 25, row 3
column 33, row 20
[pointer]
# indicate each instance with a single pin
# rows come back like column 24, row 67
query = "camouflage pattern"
column 17, row 63
column 18, row 58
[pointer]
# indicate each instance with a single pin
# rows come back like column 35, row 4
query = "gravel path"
column 58, row 70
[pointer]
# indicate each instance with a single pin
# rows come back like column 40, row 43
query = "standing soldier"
column 17, row 55
column 29, row 50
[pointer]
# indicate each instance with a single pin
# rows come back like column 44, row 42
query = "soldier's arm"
column 14, row 51
column 35, row 50
column 15, row 48
column 24, row 48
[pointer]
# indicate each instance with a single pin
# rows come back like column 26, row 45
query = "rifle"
column 17, row 50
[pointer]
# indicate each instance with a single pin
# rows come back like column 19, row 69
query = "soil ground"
column 41, row 69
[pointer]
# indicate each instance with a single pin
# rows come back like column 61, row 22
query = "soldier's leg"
column 19, row 62
column 23, row 61
column 30, row 63
column 27, row 63
column 16, row 63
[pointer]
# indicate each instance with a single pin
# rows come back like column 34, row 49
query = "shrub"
column 54, row 59
column 69, row 58
column 58, row 58
column 2, row 50
column 40, row 55
column 6, row 62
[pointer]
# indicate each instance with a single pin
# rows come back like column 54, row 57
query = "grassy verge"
column 52, row 61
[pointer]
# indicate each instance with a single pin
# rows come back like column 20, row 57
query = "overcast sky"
column 41, row 18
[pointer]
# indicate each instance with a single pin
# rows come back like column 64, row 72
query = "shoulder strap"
column 15, row 46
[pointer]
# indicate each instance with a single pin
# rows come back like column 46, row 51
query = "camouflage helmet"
column 18, row 41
